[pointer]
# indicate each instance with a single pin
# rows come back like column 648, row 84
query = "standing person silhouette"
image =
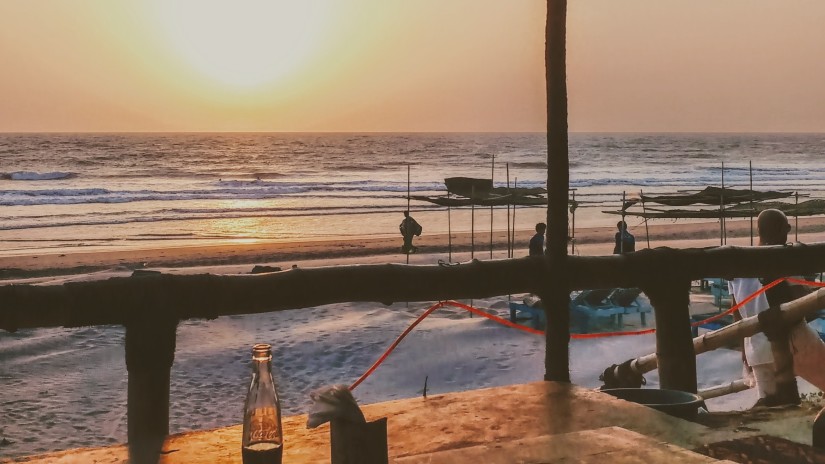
column 805, row 346
column 625, row 241
column 409, row 228
column 537, row 242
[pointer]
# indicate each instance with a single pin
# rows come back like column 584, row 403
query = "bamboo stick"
column 735, row 386
column 792, row 312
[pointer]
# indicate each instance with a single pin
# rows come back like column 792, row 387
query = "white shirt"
column 757, row 347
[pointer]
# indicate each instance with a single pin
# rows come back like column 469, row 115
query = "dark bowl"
column 677, row 403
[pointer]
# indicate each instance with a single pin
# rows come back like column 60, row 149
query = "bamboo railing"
column 150, row 305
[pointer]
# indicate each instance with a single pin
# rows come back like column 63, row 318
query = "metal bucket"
column 677, row 403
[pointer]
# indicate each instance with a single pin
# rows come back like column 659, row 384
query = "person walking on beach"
column 537, row 242
column 803, row 342
column 409, row 228
column 625, row 241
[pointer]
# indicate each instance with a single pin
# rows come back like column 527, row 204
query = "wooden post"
column 408, row 207
column 556, row 293
column 624, row 224
column 722, row 209
column 354, row 443
column 449, row 233
column 150, row 351
column 796, row 216
column 509, row 243
column 472, row 222
column 750, row 176
column 513, row 230
column 492, row 181
column 644, row 210
column 573, row 224
column 674, row 341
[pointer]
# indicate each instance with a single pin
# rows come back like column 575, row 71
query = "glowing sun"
column 244, row 43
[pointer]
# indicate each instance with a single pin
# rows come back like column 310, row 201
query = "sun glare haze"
column 244, row 43
column 399, row 66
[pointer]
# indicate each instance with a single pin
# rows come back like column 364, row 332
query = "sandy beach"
column 588, row 241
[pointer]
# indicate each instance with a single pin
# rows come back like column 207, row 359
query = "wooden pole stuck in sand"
column 624, row 224
column 472, row 221
column 722, row 209
column 408, row 205
column 573, row 225
column 509, row 243
column 449, row 233
column 492, row 182
column 556, row 292
column 644, row 210
column 796, row 216
column 513, row 231
column 750, row 177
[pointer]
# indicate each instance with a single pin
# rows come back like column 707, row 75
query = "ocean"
column 65, row 192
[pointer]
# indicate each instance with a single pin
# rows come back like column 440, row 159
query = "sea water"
column 63, row 192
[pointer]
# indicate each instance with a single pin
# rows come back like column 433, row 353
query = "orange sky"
column 401, row 65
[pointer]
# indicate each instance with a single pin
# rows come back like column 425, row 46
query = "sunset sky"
column 403, row 65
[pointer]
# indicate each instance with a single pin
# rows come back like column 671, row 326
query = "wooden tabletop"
column 565, row 420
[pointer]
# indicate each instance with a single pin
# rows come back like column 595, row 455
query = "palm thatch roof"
column 715, row 196
column 814, row 207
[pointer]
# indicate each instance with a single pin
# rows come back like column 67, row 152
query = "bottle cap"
column 262, row 352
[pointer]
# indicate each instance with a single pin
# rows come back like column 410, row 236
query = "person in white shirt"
column 805, row 345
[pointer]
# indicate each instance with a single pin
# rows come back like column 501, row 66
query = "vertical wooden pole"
column 408, row 204
column 509, row 243
column 150, row 351
column 573, row 225
column 674, row 340
column 624, row 224
column 750, row 176
column 492, row 181
column 796, row 217
column 513, row 231
column 472, row 222
column 644, row 210
column 721, row 214
column 556, row 294
column 449, row 233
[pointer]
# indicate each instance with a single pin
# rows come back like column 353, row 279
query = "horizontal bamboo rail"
column 179, row 297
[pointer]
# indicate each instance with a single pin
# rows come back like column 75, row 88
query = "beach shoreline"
column 370, row 249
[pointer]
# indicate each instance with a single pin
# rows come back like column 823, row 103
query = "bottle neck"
column 261, row 366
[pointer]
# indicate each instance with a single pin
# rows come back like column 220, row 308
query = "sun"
column 243, row 43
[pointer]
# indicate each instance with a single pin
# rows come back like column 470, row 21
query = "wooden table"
column 535, row 419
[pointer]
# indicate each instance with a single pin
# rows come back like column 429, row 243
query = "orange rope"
column 394, row 344
column 531, row 330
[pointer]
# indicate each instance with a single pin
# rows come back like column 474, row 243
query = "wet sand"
column 592, row 241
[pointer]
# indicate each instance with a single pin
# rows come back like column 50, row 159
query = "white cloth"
column 757, row 348
column 764, row 379
column 806, row 346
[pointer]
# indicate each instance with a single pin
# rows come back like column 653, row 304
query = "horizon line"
column 416, row 132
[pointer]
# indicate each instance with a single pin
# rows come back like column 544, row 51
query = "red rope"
column 741, row 303
column 394, row 344
column 531, row 330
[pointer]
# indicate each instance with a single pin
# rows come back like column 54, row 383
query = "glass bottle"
column 263, row 437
